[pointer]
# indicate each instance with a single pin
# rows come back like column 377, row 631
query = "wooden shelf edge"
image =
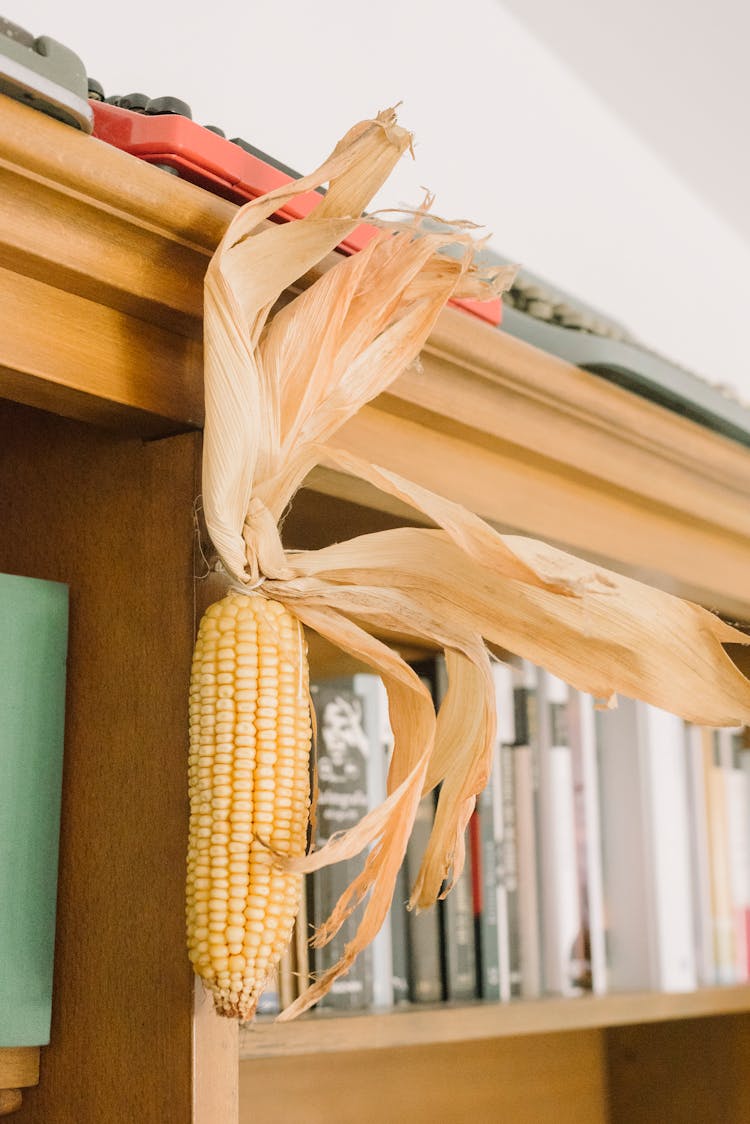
column 321, row 1034
column 553, row 408
column 519, row 491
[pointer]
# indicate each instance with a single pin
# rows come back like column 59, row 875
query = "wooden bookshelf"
column 101, row 266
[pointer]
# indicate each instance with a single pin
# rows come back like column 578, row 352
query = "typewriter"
column 44, row 74
column 553, row 321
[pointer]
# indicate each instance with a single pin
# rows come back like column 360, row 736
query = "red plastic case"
column 218, row 165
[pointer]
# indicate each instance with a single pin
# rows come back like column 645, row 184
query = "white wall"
column 506, row 135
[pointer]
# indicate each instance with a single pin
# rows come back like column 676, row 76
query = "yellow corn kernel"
column 249, row 785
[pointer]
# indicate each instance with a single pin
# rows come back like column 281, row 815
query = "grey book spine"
column 490, row 874
column 343, row 752
column 526, row 787
column 460, row 947
column 508, row 864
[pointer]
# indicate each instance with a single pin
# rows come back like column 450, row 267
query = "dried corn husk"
column 276, row 393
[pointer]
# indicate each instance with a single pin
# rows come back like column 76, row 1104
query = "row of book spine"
column 609, row 851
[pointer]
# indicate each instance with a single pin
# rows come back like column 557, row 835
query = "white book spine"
column 623, row 853
column 721, row 890
column 743, row 763
column 703, row 923
column 372, row 689
column 646, row 833
column 586, row 787
column 663, row 763
column 560, row 907
column 502, row 676
column 736, row 783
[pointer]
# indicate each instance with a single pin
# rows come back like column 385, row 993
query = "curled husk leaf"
column 277, row 390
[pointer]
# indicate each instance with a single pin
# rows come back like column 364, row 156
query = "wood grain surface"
column 538, row 1080
column 112, row 368
column 680, row 1072
column 113, row 519
column 10, row 1101
column 421, row 1025
column 19, row 1065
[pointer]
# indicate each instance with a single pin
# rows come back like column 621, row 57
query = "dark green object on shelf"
column 33, row 651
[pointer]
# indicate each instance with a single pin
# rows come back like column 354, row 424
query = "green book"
column 33, row 649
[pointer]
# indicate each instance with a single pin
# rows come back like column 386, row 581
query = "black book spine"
column 400, row 939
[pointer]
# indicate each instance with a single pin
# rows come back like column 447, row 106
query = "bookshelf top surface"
column 429, row 1025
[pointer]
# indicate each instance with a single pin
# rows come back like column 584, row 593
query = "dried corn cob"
column 249, row 794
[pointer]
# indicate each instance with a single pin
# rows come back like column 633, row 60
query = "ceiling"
column 676, row 73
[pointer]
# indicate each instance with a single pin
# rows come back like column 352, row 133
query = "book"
column 423, row 927
column 730, row 741
column 700, row 847
column 739, row 865
column 400, row 969
column 718, row 843
column 344, row 750
column 457, row 908
column 646, row 848
column 459, row 937
column 494, row 855
column 721, row 880
column 582, row 732
column 562, row 935
column 525, row 785
column 33, row 653
column 425, row 949
column 380, row 736
column 390, row 966
column 486, row 898
column 743, row 763
column 509, row 872
column 393, row 960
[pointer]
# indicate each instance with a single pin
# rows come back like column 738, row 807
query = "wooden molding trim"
column 90, row 361
column 486, row 380
column 102, row 259
column 519, row 490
